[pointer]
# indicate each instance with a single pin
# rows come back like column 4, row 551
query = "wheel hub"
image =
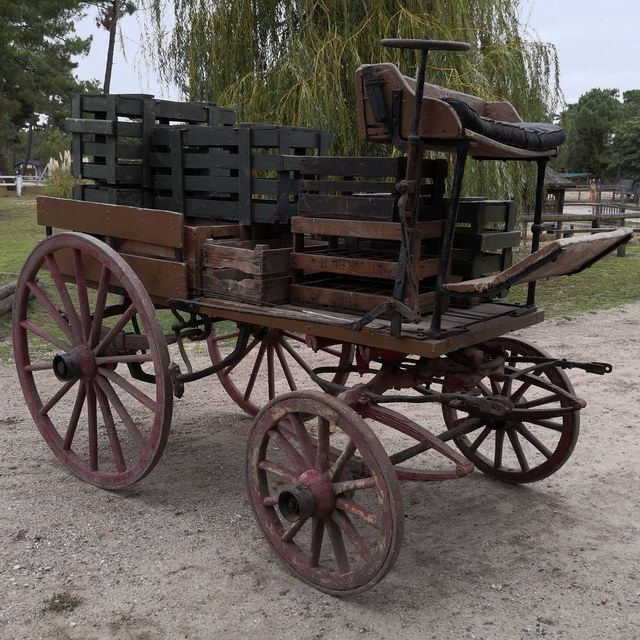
column 79, row 363
column 312, row 497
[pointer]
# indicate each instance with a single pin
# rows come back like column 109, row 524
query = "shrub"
column 61, row 181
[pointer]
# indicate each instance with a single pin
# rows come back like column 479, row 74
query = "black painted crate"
column 114, row 195
column 111, row 134
column 248, row 173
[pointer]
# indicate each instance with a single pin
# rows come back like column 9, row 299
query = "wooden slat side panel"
column 163, row 228
column 346, row 206
column 161, row 278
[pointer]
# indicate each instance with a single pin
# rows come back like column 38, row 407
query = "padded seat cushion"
column 532, row 136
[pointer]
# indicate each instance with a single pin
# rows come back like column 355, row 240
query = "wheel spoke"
column 527, row 435
column 484, row 389
column 270, row 501
column 343, row 521
column 308, row 450
column 322, row 448
column 125, row 385
column 93, row 427
column 101, row 300
column 285, row 367
column 288, row 450
column 110, row 427
column 250, row 348
column 497, row 458
column 353, row 485
column 226, row 336
column 495, row 387
column 297, row 357
column 75, row 417
column 520, row 391
column 547, row 424
column 60, row 393
column 517, row 447
column 45, row 335
column 317, row 533
column 358, row 510
column 126, row 418
column 277, row 470
column 254, row 371
column 292, row 530
column 83, row 296
column 53, row 312
column 337, row 542
column 537, row 402
column 343, row 459
column 480, row 439
column 69, row 309
column 271, row 374
column 116, row 329
column 39, row 367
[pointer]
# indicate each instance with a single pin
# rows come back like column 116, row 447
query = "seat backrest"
column 438, row 119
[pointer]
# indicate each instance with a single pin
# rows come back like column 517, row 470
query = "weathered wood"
column 330, row 206
column 6, row 304
column 163, row 228
column 7, row 290
column 248, row 257
column 163, row 279
column 370, row 229
column 233, row 283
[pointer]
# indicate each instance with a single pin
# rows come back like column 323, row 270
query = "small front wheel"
column 324, row 492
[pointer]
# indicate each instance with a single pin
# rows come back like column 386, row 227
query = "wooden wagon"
column 351, row 272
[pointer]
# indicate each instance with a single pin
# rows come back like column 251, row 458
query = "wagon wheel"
column 278, row 364
column 529, row 447
column 68, row 342
column 337, row 531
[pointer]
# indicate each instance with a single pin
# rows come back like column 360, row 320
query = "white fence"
column 13, row 181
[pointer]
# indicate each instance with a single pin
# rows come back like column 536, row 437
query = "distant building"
column 33, row 168
column 555, row 186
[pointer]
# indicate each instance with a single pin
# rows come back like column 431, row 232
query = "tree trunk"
column 110, row 50
column 3, row 161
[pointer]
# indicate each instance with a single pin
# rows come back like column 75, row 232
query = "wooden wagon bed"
column 465, row 327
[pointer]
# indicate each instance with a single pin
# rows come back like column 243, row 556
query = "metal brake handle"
column 425, row 44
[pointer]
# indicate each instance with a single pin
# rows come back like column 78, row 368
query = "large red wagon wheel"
column 278, row 364
column 69, row 344
column 324, row 492
column 530, row 445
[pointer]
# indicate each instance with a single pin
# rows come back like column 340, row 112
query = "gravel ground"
column 179, row 556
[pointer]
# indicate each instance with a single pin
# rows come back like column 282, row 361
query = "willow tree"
column 293, row 61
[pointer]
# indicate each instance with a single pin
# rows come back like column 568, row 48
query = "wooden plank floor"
column 472, row 325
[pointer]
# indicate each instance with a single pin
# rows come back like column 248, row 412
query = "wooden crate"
column 247, row 173
column 114, row 195
column 364, row 188
column 246, row 270
column 111, row 134
column 351, row 203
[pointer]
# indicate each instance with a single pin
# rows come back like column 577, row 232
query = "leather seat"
column 532, row 136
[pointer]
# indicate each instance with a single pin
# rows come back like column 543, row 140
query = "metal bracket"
column 598, row 368
column 387, row 306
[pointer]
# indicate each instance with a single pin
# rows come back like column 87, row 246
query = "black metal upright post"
column 536, row 227
column 462, row 151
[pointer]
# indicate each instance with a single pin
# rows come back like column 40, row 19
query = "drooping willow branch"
column 293, row 61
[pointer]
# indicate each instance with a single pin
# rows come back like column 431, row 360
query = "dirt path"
column 179, row 556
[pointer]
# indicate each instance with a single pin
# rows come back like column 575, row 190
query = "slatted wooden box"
column 114, row 195
column 247, row 173
column 352, row 203
column 111, row 134
column 246, row 270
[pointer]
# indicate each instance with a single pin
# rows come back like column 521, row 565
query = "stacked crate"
column 111, row 142
column 247, row 173
column 352, row 205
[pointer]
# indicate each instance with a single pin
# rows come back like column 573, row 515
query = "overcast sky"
column 598, row 44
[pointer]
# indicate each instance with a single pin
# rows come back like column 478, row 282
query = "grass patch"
column 60, row 602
